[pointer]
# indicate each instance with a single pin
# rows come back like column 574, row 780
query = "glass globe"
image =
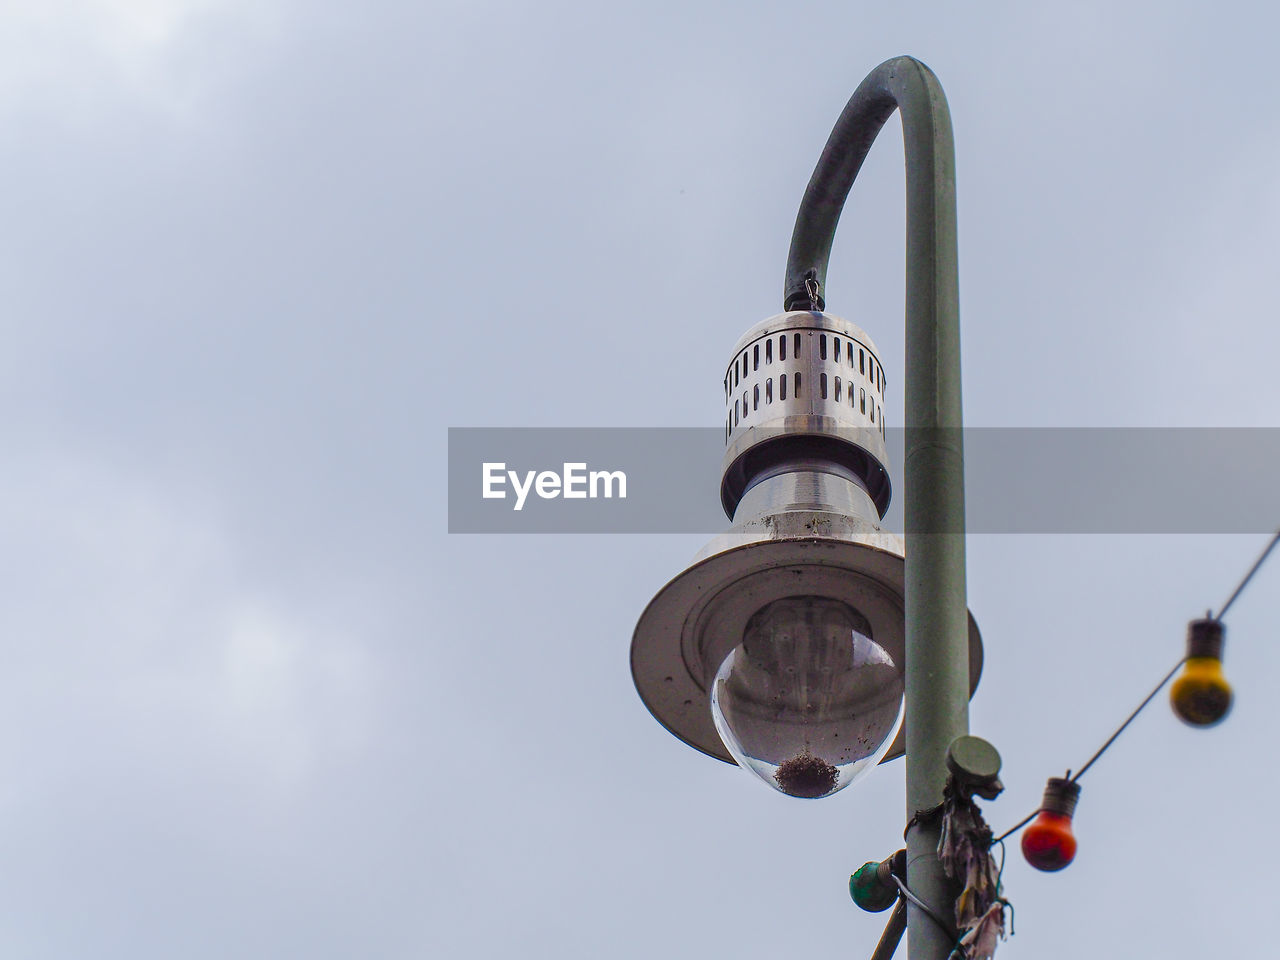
column 808, row 701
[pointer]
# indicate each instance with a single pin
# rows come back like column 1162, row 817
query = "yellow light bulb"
column 1201, row 695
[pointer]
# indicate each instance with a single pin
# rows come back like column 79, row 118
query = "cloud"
column 73, row 58
column 135, row 640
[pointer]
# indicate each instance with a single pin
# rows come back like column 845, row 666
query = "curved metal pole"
column 937, row 694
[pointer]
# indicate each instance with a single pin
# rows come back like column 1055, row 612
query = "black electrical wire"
column 1119, row 730
column 1247, row 577
column 1015, row 828
column 1003, row 852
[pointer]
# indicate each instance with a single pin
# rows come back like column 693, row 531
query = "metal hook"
column 811, row 289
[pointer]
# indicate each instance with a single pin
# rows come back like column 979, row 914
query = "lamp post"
column 761, row 622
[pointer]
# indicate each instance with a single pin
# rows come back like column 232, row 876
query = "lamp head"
column 804, row 579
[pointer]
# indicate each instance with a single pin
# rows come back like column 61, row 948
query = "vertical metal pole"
column 937, row 668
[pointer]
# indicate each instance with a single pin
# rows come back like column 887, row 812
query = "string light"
column 1201, row 696
column 872, row 887
column 1049, row 843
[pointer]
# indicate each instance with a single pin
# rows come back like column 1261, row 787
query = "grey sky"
column 256, row 258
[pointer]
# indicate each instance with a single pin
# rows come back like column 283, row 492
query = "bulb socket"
column 895, row 866
column 1060, row 796
column 1205, row 638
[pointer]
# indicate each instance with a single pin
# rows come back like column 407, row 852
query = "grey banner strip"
column 1017, row 480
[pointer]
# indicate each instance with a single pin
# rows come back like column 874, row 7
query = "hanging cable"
column 1015, row 828
column 1247, row 577
column 1112, row 739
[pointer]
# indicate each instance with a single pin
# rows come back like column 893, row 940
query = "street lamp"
column 796, row 640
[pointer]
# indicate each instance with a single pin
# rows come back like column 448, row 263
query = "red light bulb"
column 1048, row 843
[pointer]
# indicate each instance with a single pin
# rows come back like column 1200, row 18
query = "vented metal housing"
column 809, row 386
